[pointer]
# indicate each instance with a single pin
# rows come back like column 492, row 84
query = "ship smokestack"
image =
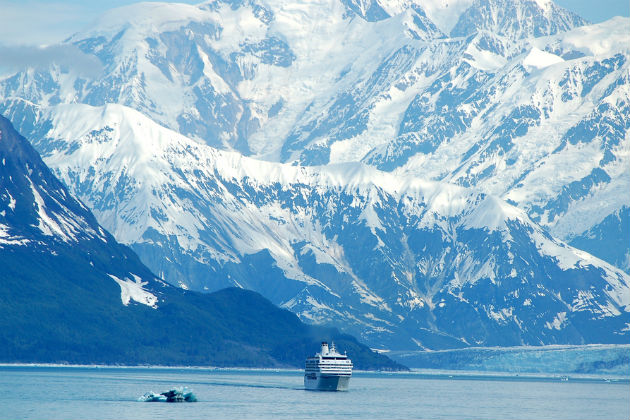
column 324, row 348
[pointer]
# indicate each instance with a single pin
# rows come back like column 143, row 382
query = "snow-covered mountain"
column 494, row 94
column 400, row 261
column 342, row 107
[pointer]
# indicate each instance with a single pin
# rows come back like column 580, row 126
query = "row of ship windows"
column 328, row 367
column 329, row 364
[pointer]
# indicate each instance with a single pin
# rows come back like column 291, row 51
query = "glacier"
column 609, row 360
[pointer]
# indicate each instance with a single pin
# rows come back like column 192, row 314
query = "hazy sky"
column 36, row 22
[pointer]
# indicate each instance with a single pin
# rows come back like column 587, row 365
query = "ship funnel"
column 324, row 348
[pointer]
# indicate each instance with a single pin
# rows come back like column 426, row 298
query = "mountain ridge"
column 290, row 232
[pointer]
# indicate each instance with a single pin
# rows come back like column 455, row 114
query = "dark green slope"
column 50, row 313
column 58, row 303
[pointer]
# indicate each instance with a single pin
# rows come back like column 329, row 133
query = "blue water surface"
column 31, row 392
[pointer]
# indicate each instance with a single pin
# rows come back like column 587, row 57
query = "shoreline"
column 119, row 366
column 421, row 373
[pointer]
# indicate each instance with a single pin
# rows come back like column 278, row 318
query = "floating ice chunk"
column 172, row 395
column 152, row 397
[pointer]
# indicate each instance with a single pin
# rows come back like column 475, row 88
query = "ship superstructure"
column 328, row 370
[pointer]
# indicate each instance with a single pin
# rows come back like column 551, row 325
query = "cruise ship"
column 328, row 370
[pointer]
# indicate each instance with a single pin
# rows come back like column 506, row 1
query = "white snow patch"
column 7, row 239
column 371, row 218
column 605, row 38
column 132, row 290
column 416, row 302
column 444, row 13
column 558, row 322
column 11, row 201
column 418, row 343
column 541, row 59
column 484, row 59
column 543, row 4
column 315, row 304
column 502, row 316
column 492, row 213
column 373, row 317
column 610, row 309
column 584, row 300
column 564, row 255
column 46, row 224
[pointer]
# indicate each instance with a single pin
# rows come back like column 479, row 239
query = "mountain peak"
column 149, row 17
column 516, row 19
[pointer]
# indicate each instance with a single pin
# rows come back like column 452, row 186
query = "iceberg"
column 172, row 395
column 152, row 397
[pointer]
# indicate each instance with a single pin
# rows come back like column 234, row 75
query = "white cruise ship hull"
column 326, row 382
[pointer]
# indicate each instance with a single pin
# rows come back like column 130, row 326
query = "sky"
column 46, row 22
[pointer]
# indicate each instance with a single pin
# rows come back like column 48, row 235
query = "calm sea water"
column 112, row 393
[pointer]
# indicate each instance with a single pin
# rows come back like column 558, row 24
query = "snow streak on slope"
column 28, row 197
